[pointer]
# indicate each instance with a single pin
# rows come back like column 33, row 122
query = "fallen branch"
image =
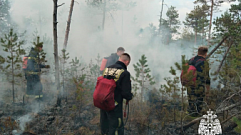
column 224, row 57
column 228, row 107
column 229, row 98
column 230, row 127
column 191, row 123
column 230, row 117
column 216, row 47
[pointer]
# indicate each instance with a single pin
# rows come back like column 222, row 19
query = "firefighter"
column 34, row 86
column 196, row 94
column 112, row 59
column 112, row 121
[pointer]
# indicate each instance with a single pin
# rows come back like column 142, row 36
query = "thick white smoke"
column 122, row 28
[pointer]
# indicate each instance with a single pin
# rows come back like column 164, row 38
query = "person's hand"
column 47, row 66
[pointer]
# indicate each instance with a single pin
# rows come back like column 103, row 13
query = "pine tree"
column 143, row 77
column 95, row 67
column 197, row 19
column 172, row 19
column 13, row 47
column 63, row 60
column 173, row 90
column 170, row 25
column 212, row 6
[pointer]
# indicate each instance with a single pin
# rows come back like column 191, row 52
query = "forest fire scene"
column 127, row 67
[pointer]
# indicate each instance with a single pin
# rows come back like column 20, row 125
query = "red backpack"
column 25, row 62
column 188, row 79
column 103, row 63
column 103, row 96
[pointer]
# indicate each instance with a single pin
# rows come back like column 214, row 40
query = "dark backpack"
column 189, row 78
column 103, row 96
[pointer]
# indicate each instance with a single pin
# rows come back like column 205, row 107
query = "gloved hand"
column 47, row 66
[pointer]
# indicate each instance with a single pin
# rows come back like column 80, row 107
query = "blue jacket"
column 34, row 64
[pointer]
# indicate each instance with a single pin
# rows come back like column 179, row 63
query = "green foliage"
column 143, row 77
column 172, row 19
column 12, row 45
column 238, row 122
column 94, row 68
column 197, row 20
column 170, row 25
column 42, row 54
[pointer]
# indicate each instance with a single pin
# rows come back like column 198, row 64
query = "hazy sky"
column 185, row 6
column 87, row 40
column 151, row 8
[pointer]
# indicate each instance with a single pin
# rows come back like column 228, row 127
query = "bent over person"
column 34, row 86
column 197, row 93
column 112, row 121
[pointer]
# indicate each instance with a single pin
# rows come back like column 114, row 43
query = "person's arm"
column 44, row 66
column 126, row 86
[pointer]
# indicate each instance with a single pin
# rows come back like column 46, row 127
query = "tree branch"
column 217, row 47
column 61, row 5
column 230, row 117
column 191, row 123
column 224, row 57
column 228, row 107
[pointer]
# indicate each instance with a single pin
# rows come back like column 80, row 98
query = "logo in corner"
column 209, row 125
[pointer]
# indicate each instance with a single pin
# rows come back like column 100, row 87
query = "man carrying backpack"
column 112, row 121
column 112, row 59
column 197, row 92
column 34, row 86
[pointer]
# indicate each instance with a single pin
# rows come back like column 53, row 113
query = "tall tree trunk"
column 68, row 24
column 182, row 107
column 56, row 58
column 12, row 77
column 142, row 83
column 104, row 10
column 195, row 37
column 161, row 17
column 210, row 23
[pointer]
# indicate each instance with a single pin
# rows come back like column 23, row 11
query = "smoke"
column 23, row 120
column 87, row 40
column 122, row 28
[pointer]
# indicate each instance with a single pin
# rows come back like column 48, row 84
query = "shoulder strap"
column 114, row 74
column 199, row 61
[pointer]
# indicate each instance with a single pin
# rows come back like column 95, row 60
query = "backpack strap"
column 199, row 61
column 196, row 63
column 111, row 76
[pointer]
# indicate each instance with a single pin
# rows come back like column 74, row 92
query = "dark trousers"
column 112, row 122
column 34, row 86
column 195, row 99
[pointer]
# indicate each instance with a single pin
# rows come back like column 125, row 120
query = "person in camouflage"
column 196, row 94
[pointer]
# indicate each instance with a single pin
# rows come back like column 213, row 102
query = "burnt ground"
column 45, row 118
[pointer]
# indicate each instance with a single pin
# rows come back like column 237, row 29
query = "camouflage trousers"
column 196, row 100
